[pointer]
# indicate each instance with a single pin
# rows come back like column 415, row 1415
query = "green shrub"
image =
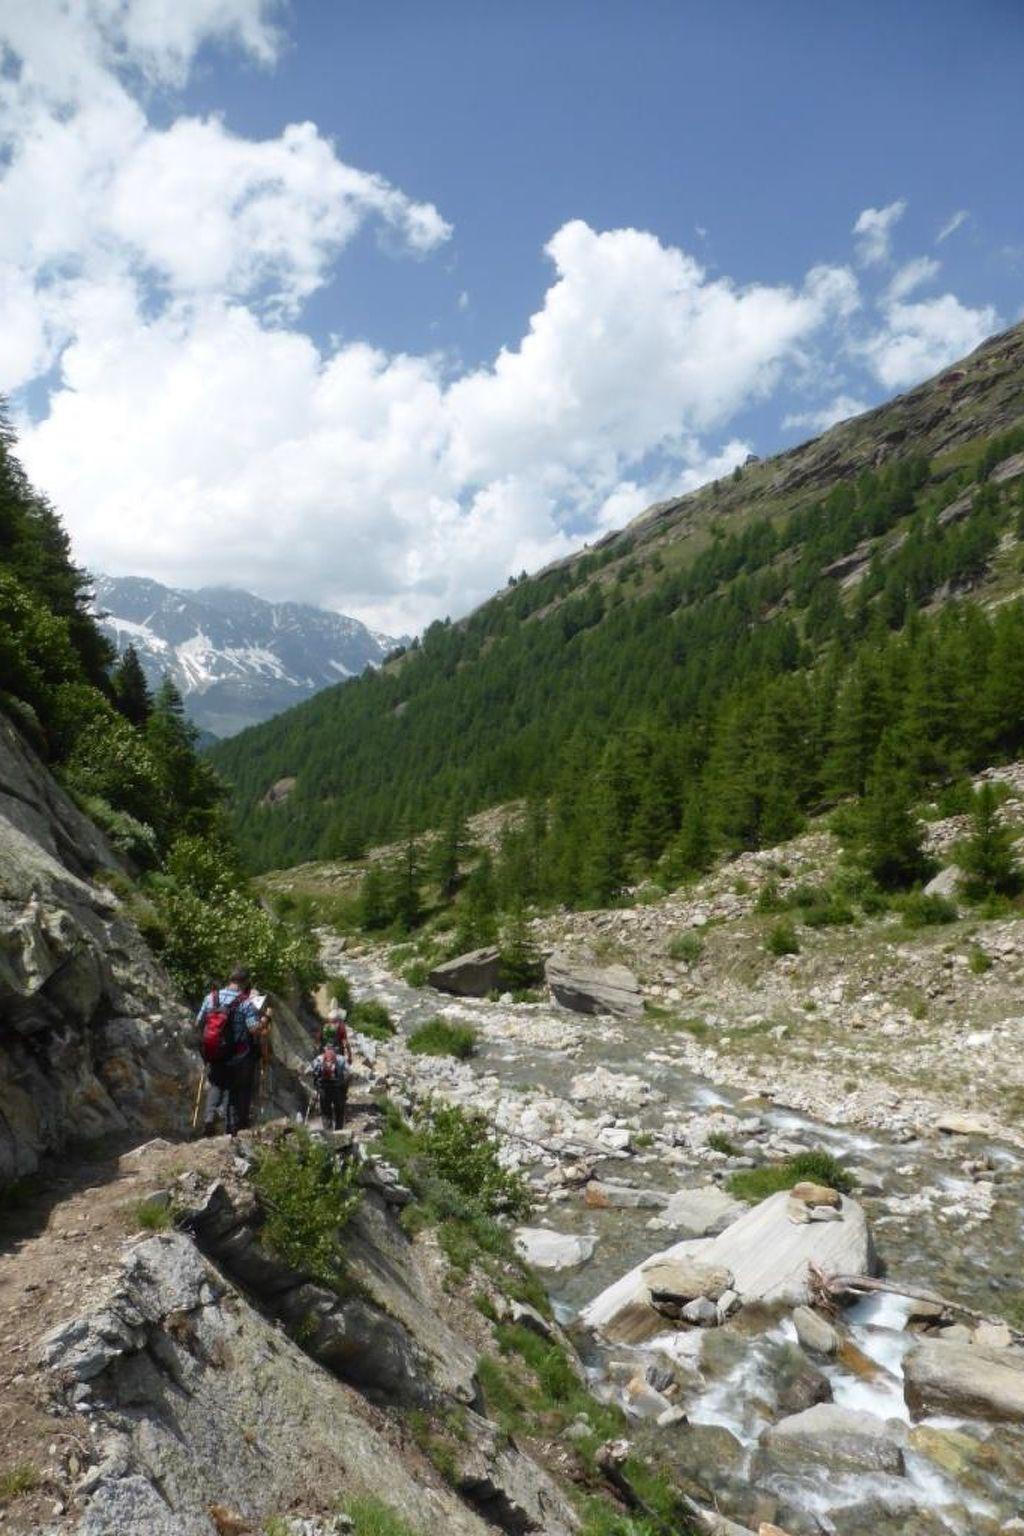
column 213, row 920
column 827, row 912
column 978, row 961
column 152, row 1216
column 415, row 974
column 437, row 1037
column 111, row 761
column 921, row 911
column 782, row 940
column 308, row 1200
column 770, row 898
column 135, row 840
column 372, row 1018
column 687, row 947
column 452, row 1160
column 339, row 989
column 819, row 1167
column 718, row 1141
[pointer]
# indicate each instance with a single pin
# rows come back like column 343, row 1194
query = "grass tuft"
column 23, row 1477
column 819, row 1167
column 439, row 1038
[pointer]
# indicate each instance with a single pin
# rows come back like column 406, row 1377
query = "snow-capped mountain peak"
column 236, row 658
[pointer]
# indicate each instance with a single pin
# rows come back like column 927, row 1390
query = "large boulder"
column 593, row 989
column 544, row 1249
column 474, row 974
column 838, row 1439
column 767, row 1254
column 945, row 1377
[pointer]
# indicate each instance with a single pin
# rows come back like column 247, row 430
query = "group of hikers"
column 234, row 1032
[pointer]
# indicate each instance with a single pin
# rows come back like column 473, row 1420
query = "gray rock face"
column 594, row 989
column 390, row 1340
column 945, row 1377
column 470, row 975
column 217, row 1406
column 93, row 1040
column 839, row 1438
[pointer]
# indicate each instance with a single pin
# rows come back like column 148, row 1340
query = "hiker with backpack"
column 330, row 1078
column 230, row 1025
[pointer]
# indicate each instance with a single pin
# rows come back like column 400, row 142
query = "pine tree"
column 372, row 905
column 890, row 832
column 692, row 852
column 986, row 856
column 449, row 850
column 477, row 908
column 131, row 691
column 402, row 883
column 521, row 965
column 192, row 785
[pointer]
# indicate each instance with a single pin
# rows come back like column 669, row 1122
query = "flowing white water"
column 935, row 1225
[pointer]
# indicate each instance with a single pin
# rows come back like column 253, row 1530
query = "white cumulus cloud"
column 918, row 339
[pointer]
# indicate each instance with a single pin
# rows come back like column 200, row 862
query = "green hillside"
column 701, row 680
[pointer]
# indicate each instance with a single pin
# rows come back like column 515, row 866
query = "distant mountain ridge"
column 237, row 658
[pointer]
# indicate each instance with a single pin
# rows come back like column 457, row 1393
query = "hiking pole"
column 199, row 1098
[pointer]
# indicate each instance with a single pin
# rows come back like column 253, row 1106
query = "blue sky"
column 528, row 268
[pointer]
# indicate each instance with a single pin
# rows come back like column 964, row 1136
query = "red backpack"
column 219, row 1030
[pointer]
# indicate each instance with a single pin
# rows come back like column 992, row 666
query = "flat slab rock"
column 942, row 1376
column 544, row 1249
column 702, row 1212
column 766, row 1253
column 684, row 1279
column 593, row 989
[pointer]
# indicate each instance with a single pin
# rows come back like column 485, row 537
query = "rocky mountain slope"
column 236, row 658
column 688, row 641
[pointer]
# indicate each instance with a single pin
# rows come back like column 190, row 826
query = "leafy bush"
column 818, row 1167
column 214, row 921
column 770, row 898
column 782, row 940
column 449, row 1152
column 827, row 911
column 922, row 911
column 978, row 961
column 308, row 1200
column 439, row 1038
column 339, row 990
column 372, row 1018
column 135, row 840
column 110, row 760
column 687, row 947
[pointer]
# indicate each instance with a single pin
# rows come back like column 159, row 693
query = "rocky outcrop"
column 93, row 1042
column 199, row 1403
column 474, row 974
column 593, row 989
column 94, row 1039
column 544, row 1249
